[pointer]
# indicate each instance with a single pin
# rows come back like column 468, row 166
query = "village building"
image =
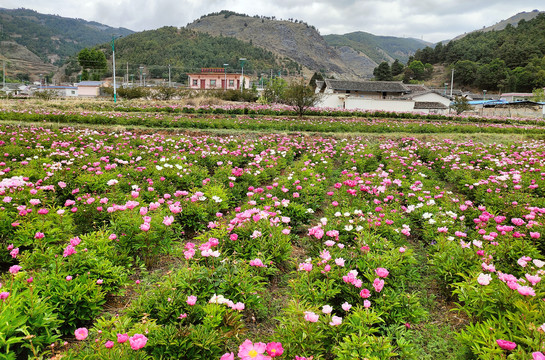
column 61, row 90
column 217, row 78
column 516, row 96
column 519, row 108
column 381, row 95
column 89, row 88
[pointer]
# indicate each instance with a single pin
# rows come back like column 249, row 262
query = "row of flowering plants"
column 288, row 246
column 375, row 122
column 258, row 109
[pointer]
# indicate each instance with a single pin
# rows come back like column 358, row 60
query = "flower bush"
column 142, row 244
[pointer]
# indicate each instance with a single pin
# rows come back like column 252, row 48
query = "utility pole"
column 169, row 84
column 113, row 66
column 127, row 73
column 4, row 75
column 225, row 76
column 242, row 80
column 141, row 69
column 451, row 83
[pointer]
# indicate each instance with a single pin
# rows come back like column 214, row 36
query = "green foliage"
column 136, row 92
column 189, row 51
column 539, row 94
column 92, row 59
column 397, row 67
column 510, row 59
column 301, row 96
column 164, row 92
column 315, row 77
column 28, row 323
column 45, row 94
column 465, row 72
column 383, row 72
column 419, row 71
column 364, row 347
column 51, row 34
column 78, row 300
column 274, row 91
column 460, row 104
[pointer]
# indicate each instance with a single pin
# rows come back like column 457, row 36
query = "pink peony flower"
column 228, row 356
column 526, row 291
column 366, row 304
column 382, row 272
column 484, row 279
column 311, row 317
column 506, row 345
column 346, row 306
column 274, row 349
column 138, row 341
column 81, row 333
column 378, row 285
column 326, row 309
column 4, row 295
column 191, row 300
column 336, row 320
column 109, row 344
column 365, row 293
column 168, row 220
column 538, row 355
column 533, row 279
column 248, row 350
column 121, row 338
column 14, row 269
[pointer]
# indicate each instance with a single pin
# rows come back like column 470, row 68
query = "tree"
column 91, row 59
column 418, row 69
column 460, row 105
column 465, row 72
column 274, row 91
column 539, row 95
column 301, row 96
column 397, row 68
column 383, row 72
column 316, row 77
column 490, row 75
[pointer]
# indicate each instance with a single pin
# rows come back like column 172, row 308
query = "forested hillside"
column 512, row 59
column 51, row 37
column 188, row 51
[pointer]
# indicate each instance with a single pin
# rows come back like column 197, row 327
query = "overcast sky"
column 430, row 20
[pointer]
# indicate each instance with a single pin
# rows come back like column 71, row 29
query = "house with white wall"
column 380, row 95
column 61, row 90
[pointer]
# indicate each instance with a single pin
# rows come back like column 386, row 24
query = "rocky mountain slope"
column 34, row 43
column 297, row 41
column 513, row 20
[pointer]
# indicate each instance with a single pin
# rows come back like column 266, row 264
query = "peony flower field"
column 161, row 241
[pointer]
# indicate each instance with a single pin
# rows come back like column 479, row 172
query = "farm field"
column 146, row 233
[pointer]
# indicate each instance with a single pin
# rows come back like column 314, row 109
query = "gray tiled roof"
column 429, row 105
column 367, row 86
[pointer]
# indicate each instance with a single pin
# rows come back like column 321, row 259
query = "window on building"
column 73, row 92
column 195, row 82
column 231, row 83
column 212, row 83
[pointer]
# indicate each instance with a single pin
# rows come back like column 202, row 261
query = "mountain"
column 512, row 59
column 50, row 38
column 186, row 51
column 378, row 48
column 291, row 39
column 513, row 21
